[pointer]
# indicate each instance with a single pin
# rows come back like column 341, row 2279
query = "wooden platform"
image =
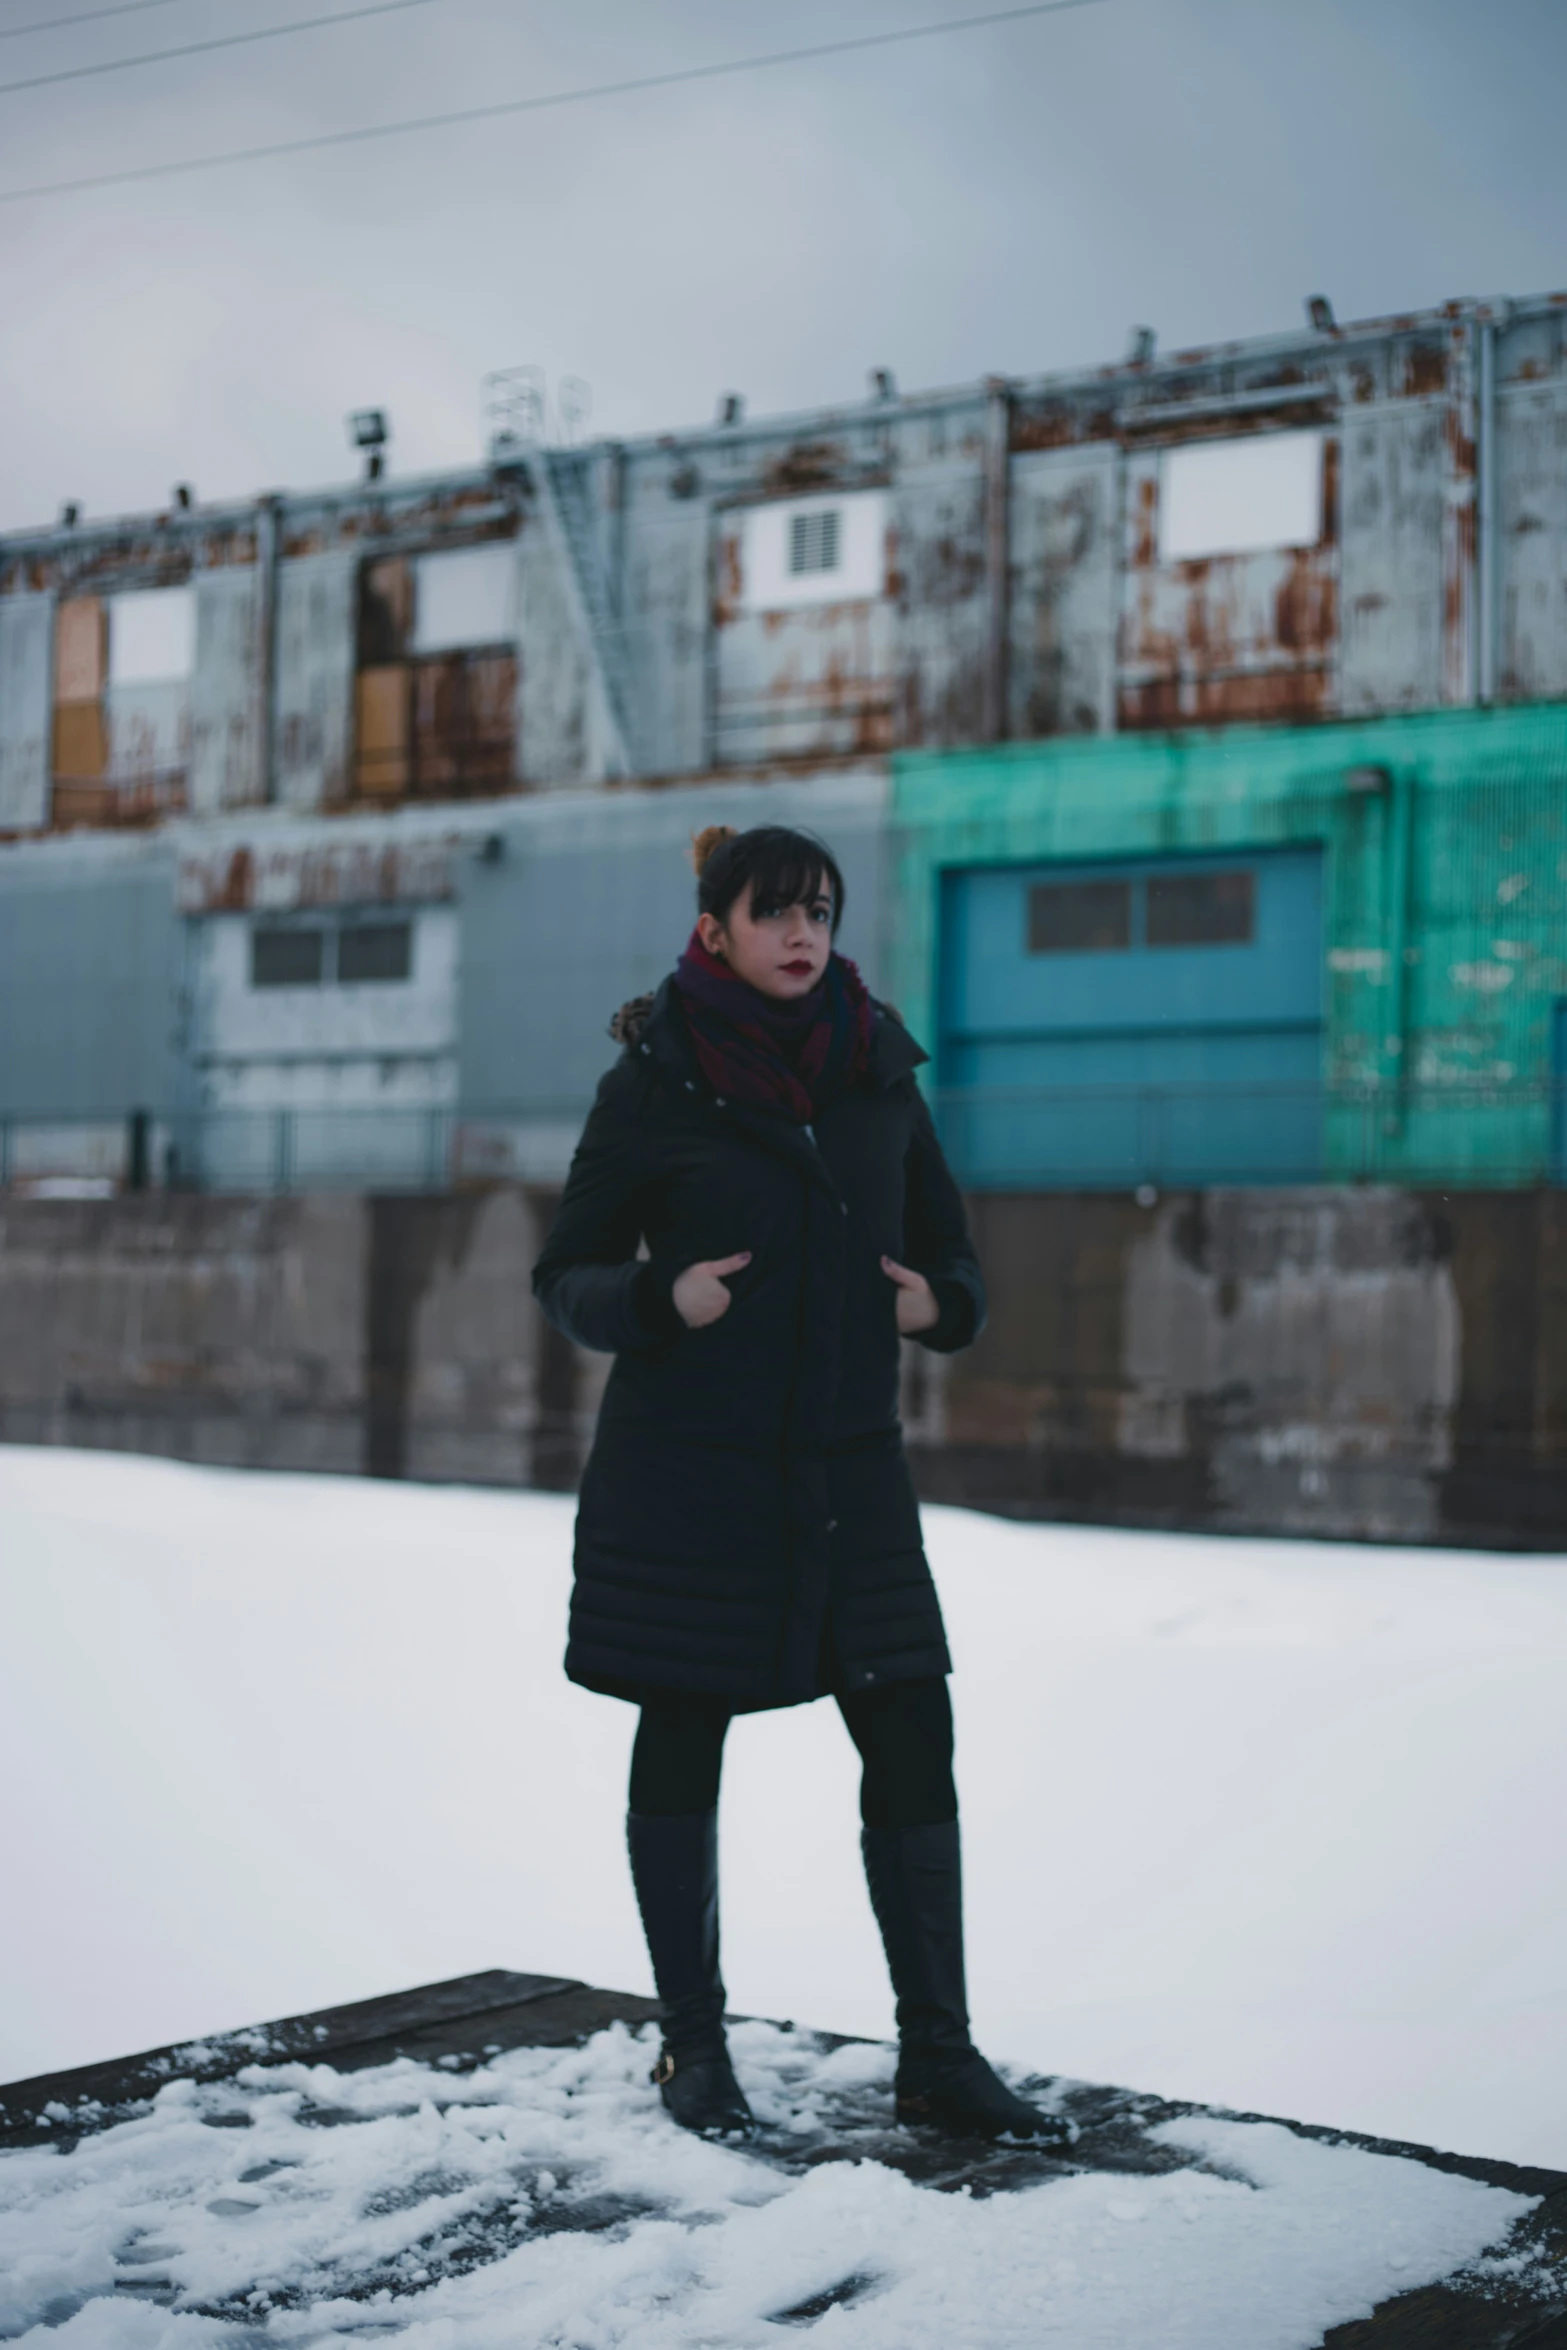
column 460, row 2024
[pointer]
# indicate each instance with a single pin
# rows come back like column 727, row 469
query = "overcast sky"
column 1007, row 199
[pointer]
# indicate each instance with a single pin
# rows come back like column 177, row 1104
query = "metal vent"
column 813, row 541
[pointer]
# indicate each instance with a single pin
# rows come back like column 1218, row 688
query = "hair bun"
column 706, row 844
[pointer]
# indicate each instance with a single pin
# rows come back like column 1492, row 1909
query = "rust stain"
column 1057, row 424
column 1425, row 369
column 807, row 465
column 952, row 569
column 233, row 894
column 1259, row 695
column 1332, row 474
column 1145, row 542
column 1305, row 610
column 1228, row 425
column 730, row 585
column 464, row 725
column 1456, row 577
column 1042, row 428
column 337, row 873
column 115, row 807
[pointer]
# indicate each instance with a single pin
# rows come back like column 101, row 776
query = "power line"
column 55, row 24
column 621, row 89
column 271, row 32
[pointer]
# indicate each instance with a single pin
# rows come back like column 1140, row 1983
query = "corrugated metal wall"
column 26, row 641
column 1029, row 587
column 90, row 979
column 316, row 612
column 225, row 693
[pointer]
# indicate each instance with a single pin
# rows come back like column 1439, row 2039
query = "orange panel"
column 381, row 733
column 81, row 645
column 81, row 747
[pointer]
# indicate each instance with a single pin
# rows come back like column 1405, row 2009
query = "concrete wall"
column 1347, row 1362
column 1361, row 1363
column 332, row 1333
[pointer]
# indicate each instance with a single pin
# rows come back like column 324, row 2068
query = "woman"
column 747, row 1535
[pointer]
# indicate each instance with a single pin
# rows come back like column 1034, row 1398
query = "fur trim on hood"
column 628, row 1023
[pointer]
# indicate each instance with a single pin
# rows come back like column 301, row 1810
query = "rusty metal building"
column 218, row 727
column 1021, row 558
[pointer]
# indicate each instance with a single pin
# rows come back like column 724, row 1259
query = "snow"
column 1273, row 1826
column 343, row 2208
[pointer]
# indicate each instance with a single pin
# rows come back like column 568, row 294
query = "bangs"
column 789, row 871
column 780, row 867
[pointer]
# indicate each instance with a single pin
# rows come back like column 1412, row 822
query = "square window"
column 830, row 548
column 813, row 541
column 1079, row 917
column 287, row 958
column 1242, row 496
column 1202, row 909
column 465, row 597
column 152, row 635
column 374, row 951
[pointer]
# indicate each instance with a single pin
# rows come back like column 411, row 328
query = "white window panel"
column 152, row 636
column 1239, row 497
column 465, row 598
column 818, row 550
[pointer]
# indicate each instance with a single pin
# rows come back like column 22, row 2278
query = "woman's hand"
column 917, row 1307
column 699, row 1293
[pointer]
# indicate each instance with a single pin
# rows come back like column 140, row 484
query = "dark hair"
column 783, row 867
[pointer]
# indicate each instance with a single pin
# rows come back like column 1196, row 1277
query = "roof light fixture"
column 370, row 429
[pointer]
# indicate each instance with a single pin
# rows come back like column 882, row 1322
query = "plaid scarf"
column 794, row 1058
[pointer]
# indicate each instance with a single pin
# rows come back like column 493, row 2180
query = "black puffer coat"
column 747, row 1527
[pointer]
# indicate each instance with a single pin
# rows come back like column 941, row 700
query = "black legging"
column 903, row 1731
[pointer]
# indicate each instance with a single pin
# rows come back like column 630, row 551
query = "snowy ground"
column 545, row 2203
column 1276, row 1826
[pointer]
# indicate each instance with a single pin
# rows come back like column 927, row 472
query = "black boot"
column 916, row 1885
column 674, row 1866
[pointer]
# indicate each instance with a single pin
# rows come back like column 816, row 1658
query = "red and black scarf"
column 794, row 1058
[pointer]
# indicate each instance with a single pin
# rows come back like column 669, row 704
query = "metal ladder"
column 562, row 482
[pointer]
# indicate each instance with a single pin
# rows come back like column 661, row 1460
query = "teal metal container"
column 1425, row 1044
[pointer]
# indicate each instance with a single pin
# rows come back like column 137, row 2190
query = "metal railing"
column 261, row 1151
column 1123, row 1137
column 1022, row 1138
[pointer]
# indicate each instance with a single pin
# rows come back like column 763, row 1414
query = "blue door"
column 1126, row 1023
column 1559, row 1090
